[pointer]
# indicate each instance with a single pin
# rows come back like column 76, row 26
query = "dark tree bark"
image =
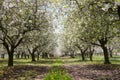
column 22, row 55
column 111, row 55
column 28, row 56
column 3, row 56
column 83, row 56
column 83, row 51
column 10, row 51
column 91, row 53
column 25, row 56
column 119, row 11
column 110, row 52
column 17, row 55
column 38, row 56
column 10, row 58
column 33, row 57
column 32, row 53
column 44, row 55
column 103, row 43
column 91, row 56
column 106, row 55
column 72, row 55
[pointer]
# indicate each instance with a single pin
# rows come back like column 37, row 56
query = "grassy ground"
column 61, row 61
column 24, row 69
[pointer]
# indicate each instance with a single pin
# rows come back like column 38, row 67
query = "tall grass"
column 57, row 73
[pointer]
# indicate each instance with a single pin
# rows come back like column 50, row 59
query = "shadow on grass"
column 62, row 61
column 116, row 57
column 3, row 63
column 51, row 62
column 46, row 61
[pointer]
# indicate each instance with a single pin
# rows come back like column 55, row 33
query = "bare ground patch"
column 25, row 73
column 94, row 72
column 78, row 72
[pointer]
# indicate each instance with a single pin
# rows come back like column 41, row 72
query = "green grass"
column 55, row 62
column 61, row 61
column 28, row 75
column 57, row 73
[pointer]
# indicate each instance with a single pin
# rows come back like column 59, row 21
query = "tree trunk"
column 38, row 55
column 25, row 56
column 10, row 58
column 18, row 56
column 33, row 57
column 106, row 55
column 83, row 56
column 111, row 55
column 72, row 55
column 2, row 56
column 103, row 43
column 91, row 55
column 44, row 55
column 83, row 51
column 28, row 56
column 110, row 52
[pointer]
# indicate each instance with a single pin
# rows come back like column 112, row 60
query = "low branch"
column 19, row 41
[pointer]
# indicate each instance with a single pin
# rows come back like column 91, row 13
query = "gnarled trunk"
column 91, row 55
column 106, row 55
column 83, row 52
column 83, row 56
column 33, row 57
column 10, row 58
column 45, row 55
column 103, row 43
column 72, row 55
column 111, row 55
column 38, row 56
column 2, row 56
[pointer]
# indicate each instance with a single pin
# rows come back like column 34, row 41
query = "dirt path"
column 78, row 72
column 94, row 72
